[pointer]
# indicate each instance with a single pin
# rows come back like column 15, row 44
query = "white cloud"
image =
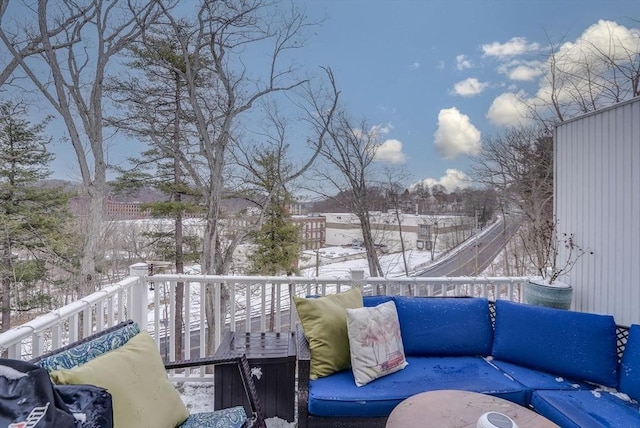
column 515, row 46
column 521, row 70
column 390, row 151
column 579, row 65
column 414, row 66
column 508, row 110
column 524, row 73
column 451, row 180
column 456, row 134
column 463, row 63
column 469, row 87
column 378, row 130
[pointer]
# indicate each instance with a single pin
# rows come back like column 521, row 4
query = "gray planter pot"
column 552, row 296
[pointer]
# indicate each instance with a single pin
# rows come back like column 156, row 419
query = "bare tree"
column 395, row 192
column 579, row 77
column 33, row 46
column 318, row 108
column 350, row 168
column 519, row 165
column 588, row 75
column 268, row 171
column 69, row 72
column 217, row 44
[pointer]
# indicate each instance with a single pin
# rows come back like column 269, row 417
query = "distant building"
column 312, row 230
column 418, row 231
column 125, row 210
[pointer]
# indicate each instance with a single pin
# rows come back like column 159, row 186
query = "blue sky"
column 434, row 77
column 397, row 64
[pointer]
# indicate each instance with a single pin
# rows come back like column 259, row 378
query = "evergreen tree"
column 277, row 242
column 33, row 218
column 156, row 112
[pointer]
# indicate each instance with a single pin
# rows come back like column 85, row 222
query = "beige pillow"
column 375, row 341
column 324, row 321
column 134, row 374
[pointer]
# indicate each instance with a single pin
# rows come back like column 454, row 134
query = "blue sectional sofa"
column 563, row 364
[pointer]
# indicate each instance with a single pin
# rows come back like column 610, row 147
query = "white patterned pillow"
column 375, row 342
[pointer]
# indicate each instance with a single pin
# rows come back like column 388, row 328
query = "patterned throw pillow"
column 375, row 342
column 233, row 417
column 87, row 351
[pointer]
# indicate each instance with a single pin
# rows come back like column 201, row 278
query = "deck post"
column 357, row 277
column 139, row 294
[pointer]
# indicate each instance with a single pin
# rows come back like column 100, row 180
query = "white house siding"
column 597, row 197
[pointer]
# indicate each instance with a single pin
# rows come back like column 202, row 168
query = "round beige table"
column 458, row 409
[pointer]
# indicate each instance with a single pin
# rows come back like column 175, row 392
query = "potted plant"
column 543, row 249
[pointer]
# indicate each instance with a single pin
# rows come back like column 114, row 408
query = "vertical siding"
column 597, row 198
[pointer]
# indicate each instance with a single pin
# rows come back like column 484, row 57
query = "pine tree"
column 157, row 113
column 277, row 242
column 33, row 219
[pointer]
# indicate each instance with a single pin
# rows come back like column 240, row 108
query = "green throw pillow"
column 324, row 321
column 134, row 374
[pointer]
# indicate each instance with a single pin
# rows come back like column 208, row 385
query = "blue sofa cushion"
column 444, row 326
column 575, row 345
column 534, row 379
column 373, row 301
column 586, row 409
column 630, row 365
column 337, row 395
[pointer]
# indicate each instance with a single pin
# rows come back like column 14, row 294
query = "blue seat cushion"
column 436, row 326
column 338, row 396
column 87, row 351
column 630, row 365
column 233, row 417
column 571, row 344
column 586, row 409
column 535, row 379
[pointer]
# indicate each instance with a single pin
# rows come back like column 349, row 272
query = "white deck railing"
column 150, row 301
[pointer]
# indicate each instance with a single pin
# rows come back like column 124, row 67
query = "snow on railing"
column 259, row 304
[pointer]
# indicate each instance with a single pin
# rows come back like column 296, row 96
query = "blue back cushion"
column 373, row 301
column 630, row 365
column 566, row 343
column 444, row 326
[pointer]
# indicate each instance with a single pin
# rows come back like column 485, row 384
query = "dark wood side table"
column 272, row 358
column 459, row 409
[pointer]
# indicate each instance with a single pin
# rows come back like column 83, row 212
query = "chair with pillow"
column 125, row 360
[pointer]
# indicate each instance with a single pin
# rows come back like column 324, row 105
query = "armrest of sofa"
column 303, row 356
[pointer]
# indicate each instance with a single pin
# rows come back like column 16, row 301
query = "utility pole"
column 476, row 233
